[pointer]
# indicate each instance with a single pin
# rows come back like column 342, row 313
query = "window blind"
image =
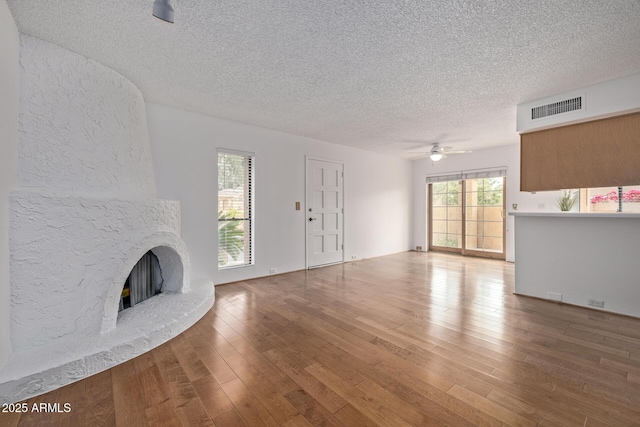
column 469, row 174
column 235, row 208
column 485, row 173
column 599, row 153
column 443, row 178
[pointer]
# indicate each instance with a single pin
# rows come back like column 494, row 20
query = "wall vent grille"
column 556, row 108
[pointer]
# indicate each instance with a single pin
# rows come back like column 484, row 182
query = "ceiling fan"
column 437, row 152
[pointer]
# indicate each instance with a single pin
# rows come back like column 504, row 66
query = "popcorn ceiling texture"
column 371, row 74
column 82, row 216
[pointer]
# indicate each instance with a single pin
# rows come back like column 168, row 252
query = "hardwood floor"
column 413, row 339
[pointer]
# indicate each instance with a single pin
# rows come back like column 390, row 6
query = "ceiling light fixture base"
column 162, row 9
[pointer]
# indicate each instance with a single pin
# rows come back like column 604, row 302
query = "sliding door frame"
column 462, row 250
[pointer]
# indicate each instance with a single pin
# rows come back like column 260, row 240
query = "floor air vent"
column 556, row 108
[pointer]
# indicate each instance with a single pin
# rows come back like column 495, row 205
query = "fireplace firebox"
column 144, row 282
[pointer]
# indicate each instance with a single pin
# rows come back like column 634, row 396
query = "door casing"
column 338, row 257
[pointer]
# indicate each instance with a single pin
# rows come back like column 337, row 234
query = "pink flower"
column 631, row 196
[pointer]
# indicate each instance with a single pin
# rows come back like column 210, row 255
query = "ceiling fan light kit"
column 437, row 153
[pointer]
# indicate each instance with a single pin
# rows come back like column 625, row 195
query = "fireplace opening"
column 144, row 281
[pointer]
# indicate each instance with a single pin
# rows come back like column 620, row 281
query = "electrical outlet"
column 353, row 257
column 273, row 270
column 596, row 303
column 554, row 296
column 419, row 248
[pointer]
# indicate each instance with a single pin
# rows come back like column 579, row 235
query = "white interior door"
column 324, row 213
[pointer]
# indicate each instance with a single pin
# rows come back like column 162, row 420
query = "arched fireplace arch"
column 174, row 262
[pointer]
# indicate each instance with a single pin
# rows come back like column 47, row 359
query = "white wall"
column 605, row 99
column 377, row 191
column 9, row 47
column 580, row 257
column 83, row 127
column 509, row 156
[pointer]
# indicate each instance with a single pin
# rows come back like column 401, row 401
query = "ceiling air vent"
column 556, row 108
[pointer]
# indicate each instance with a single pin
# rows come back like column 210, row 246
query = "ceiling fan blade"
column 457, row 151
column 430, row 148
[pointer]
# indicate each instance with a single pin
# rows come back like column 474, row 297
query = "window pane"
column 446, row 214
column 439, row 226
column 447, row 240
column 483, row 214
column 453, row 193
column 493, row 229
column 439, row 212
column 234, row 209
column 492, row 244
column 454, row 227
column 605, row 199
column 491, row 198
column 439, row 187
column 631, row 199
column 471, row 198
column 439, row 200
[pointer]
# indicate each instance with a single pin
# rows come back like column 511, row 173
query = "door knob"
column 312, row 219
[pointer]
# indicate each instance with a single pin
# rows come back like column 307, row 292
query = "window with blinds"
column 235, row 209
column 469, row 174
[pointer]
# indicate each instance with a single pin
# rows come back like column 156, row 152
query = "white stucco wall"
column 68, row 253
column 90, row 135
column 377, row 195
column 9, row 50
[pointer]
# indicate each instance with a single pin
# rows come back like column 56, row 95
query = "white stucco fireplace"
column 84, row 213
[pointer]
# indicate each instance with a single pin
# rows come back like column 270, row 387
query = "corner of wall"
column 9, row 48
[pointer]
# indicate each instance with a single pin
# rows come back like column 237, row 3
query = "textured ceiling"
column 382, row 75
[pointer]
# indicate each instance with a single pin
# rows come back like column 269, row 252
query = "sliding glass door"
column 484, row 216
column 446, row 215
column 467, row 216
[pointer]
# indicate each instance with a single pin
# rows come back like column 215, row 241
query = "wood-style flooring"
column 413, row 339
